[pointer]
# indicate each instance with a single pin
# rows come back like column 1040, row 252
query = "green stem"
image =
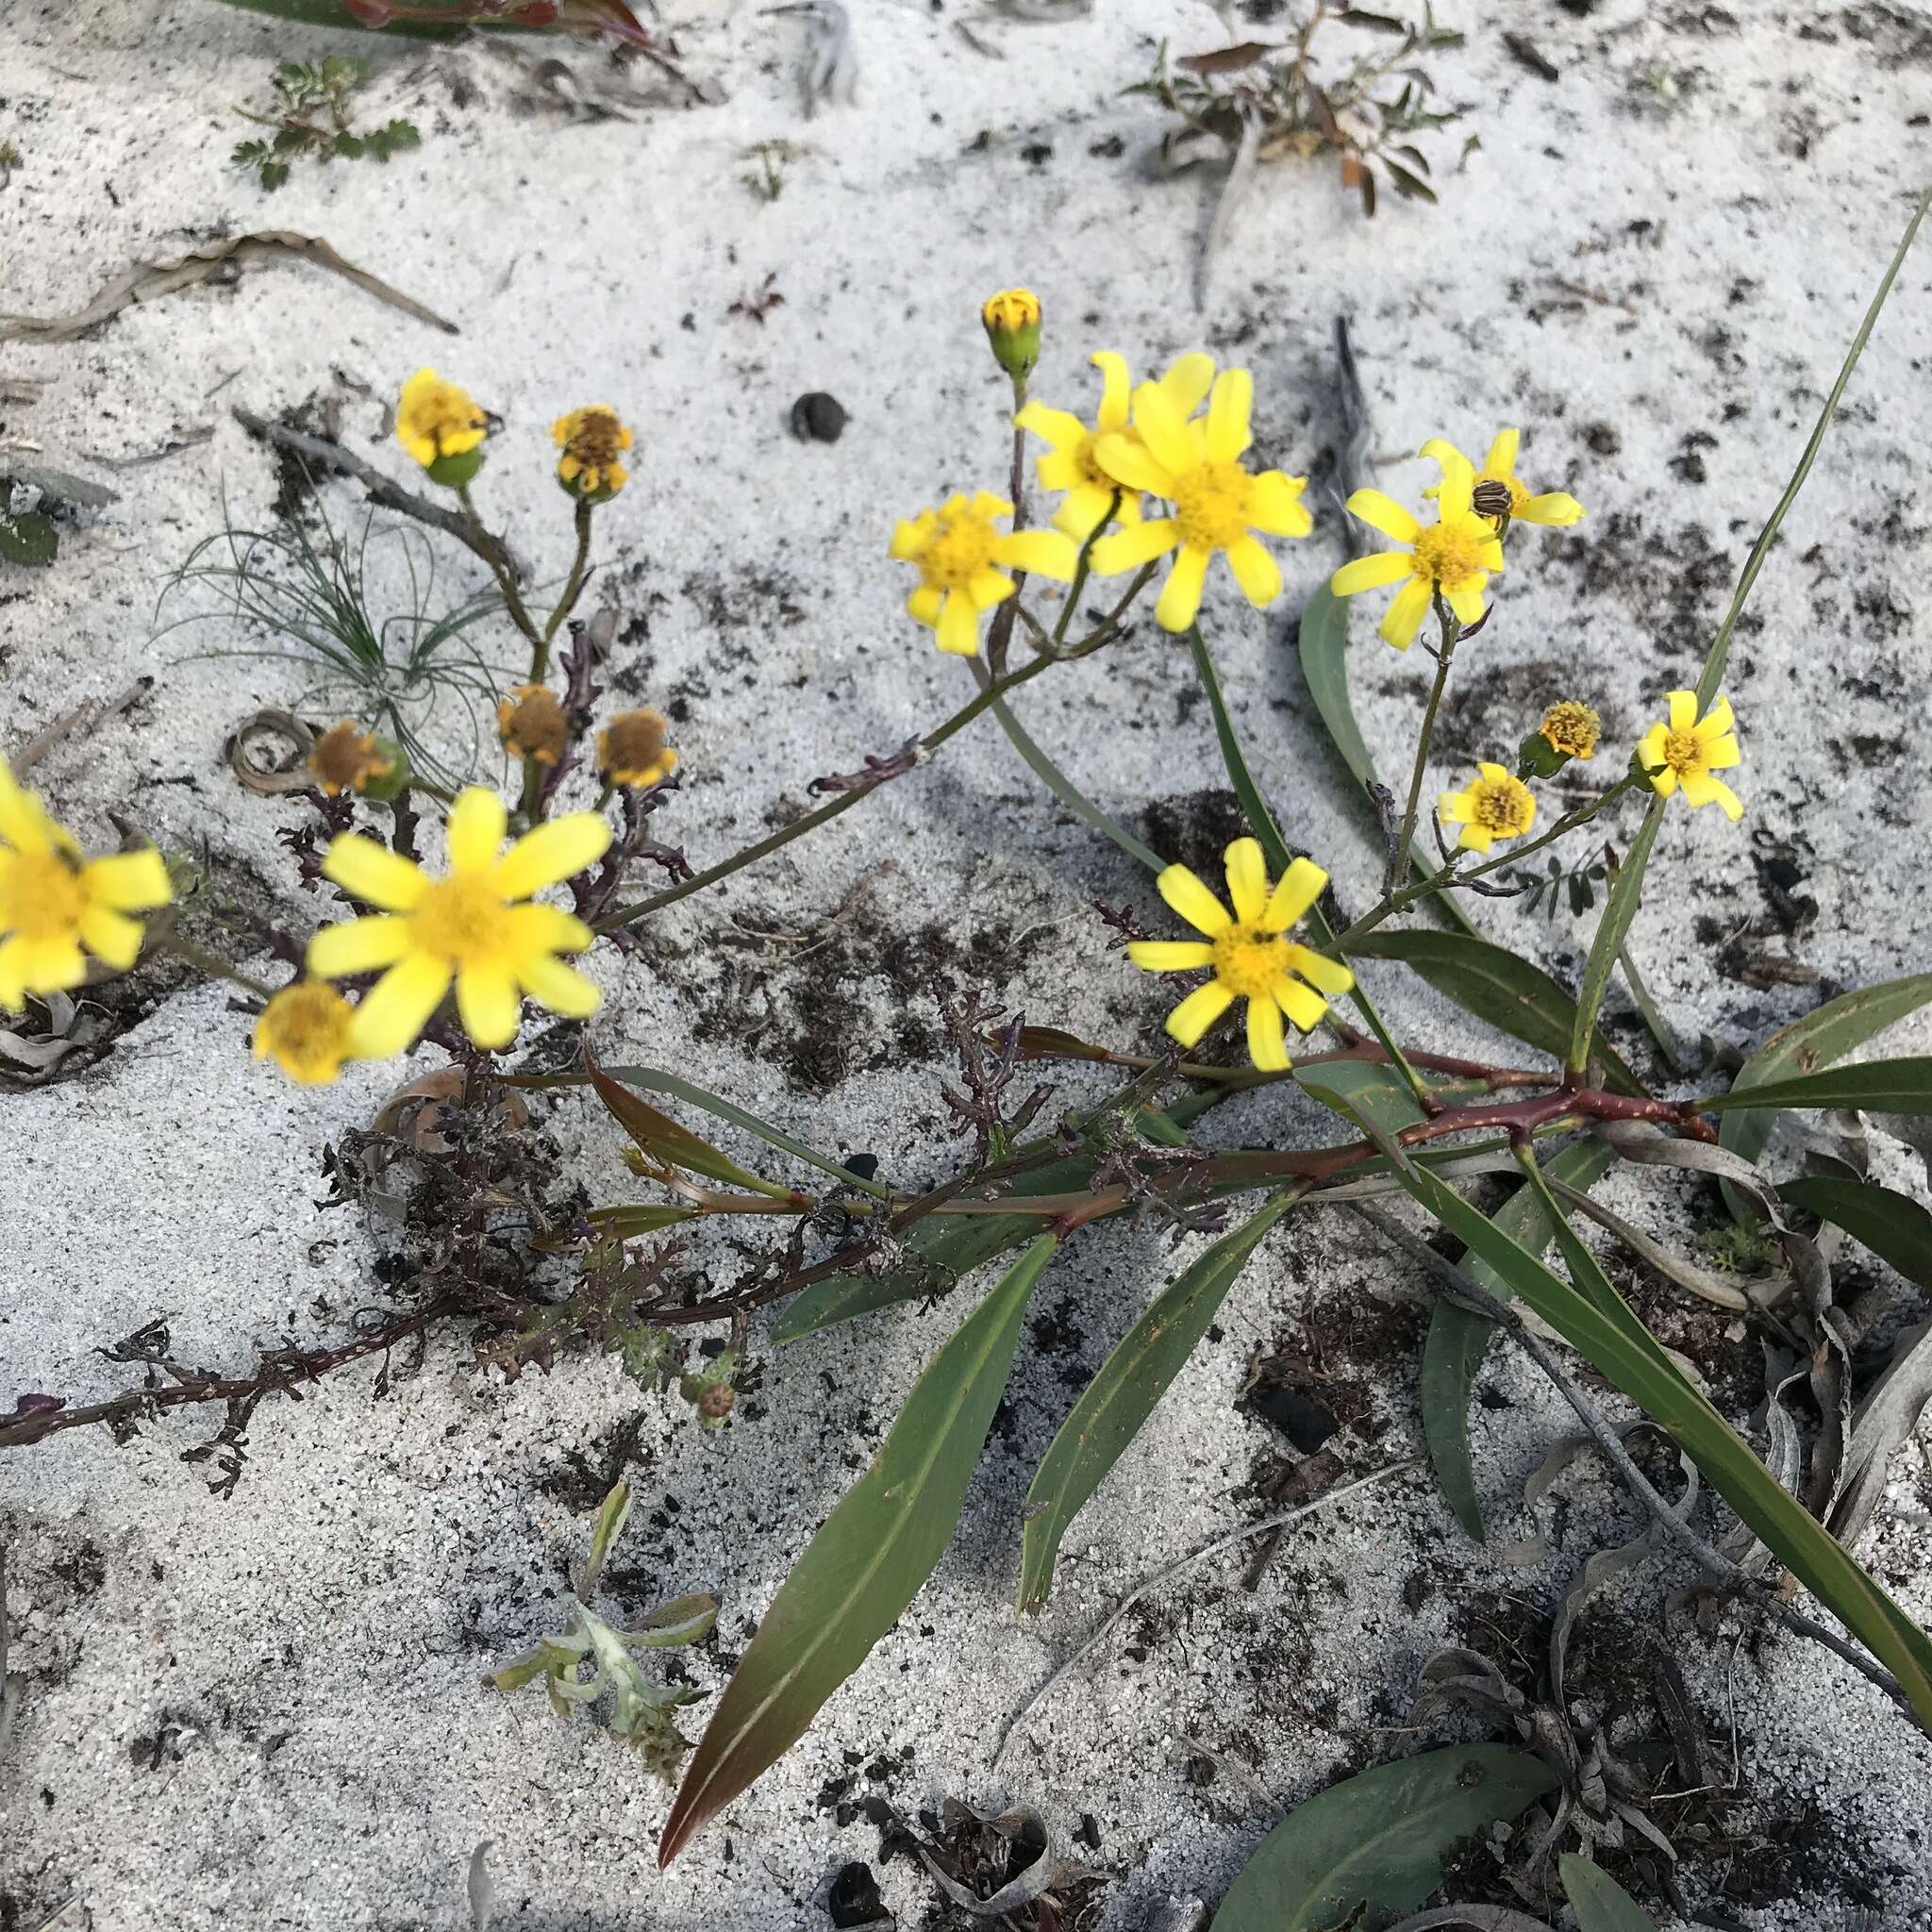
column 1620, row 910
column 211, row 963
column 573, row 588
column 490, row 550
column 1400, row 859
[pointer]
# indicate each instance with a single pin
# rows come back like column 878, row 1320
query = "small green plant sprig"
column 641, row 1713
column 312, row 121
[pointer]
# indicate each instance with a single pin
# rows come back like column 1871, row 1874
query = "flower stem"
column 1399, row 859
column 486, row 547
column 211, row 963
column 573, row 588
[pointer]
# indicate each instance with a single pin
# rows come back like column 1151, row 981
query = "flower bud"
column 1012, row 327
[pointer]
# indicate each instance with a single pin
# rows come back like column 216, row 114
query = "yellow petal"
column 1553, row 506
column 1328, row 975
column 1116, row 390
column 1455, row 492
column 1716, row 721
column 130, row 881
column 1039, row 553
column 1188, row 896
column 1307, row 1008
column 1496, row 774
column 1230, row 403
column 1126, row 550
column 1170, row 955
column 1276, row 505
column 477, row 822
column 1255, row 571
column 1180, row 596
column 537, row 928
column 398, row 1006
column 925, row 603
column 1083, row 513
column 1186, row 381
column 1054, row 425
column 1247, row 878
column 1457, row 807
column 49, row 965
column 1371, row 573
column 560, row 987
column 357, row 945
column 1438, row 450
column 1477, row 837
column 1198, row 1012
column 1163, row 430
column 1301, row 885
column 489, row 1004
column 1466, row 600
column 1266, row 1046
column 990, row 587
column 1721, row 754
column 1501, row 460
column 551, row 853
column 373, row 873
column 1128, row 460
column 1683, row 710
column 1733, row 806
column 1384, row 513
column 1404, row 617
column 908, row 540
column 110, row 935
column 1060, row 470
column 959, row 625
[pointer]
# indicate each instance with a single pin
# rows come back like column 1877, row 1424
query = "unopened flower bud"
column 1012, row 327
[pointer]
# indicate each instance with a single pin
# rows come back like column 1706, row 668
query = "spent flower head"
column 348, row 758
column 478, row 927
column 56, row 906
column 443, row 428
column 308, row 1030
column 1686, row 751
column 1072, row 462
column 1452, row 558
column 532, row 723
column 592, row 439
column 1496, row 804
column 1498, row 475
column 633, row 749
column 962, row 560
column 1249, row 952
column 1215, row 504
column 1572, row 728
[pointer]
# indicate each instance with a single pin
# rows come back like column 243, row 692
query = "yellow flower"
column 1251, row 954
column 54, row 902
column 532, row 723
column 308, row 1030
column 1688, row 750
column 1572, row 728
column 437, row 419
column 631, row 749
column 591, row 440
column 1452, row 558
column 1217, row 504
column 348, row 759
column 1012, row 327
column 470, row 928
column 1499, row 466
column 958, row 553
column 1497, row 806
column 1073, row 465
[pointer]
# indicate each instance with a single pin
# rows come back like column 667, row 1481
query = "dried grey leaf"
column 1886, row 1418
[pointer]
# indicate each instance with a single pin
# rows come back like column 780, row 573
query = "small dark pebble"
column 1306, row 1423
column 818, row 418
column 855, row 1898
column 866, row 1166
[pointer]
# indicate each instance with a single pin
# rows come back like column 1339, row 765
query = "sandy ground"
column 265, row 1710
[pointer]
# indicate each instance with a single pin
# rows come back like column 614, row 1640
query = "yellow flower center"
column 1684, row 752
column 45, row 896
column 306, row 1027
column 1572, row 728
column 1449, row 554
column 465, row 919
column 1249, row 961
column 1210, row 505
column 961, row 549
column 1505, row 810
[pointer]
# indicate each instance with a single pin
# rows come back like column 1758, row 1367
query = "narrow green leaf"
column 684, row 1620
column 1621, row 1348
column 1888, row 1086
column 1357, row 1087
column 611, row 1521
column 1070, row 794
column 1323, row 645
column 869, row 1561
column 626, row 1219
column 1498, row 987
column 1825, row 1034
column 1601, row 1904
column 1620, row 914
column 1120, row 1397
column 1892, row 1225
column 1371, row 1848
column 1458, row 1338
column 663, row 1139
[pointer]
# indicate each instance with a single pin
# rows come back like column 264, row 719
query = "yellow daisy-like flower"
column 1073, row 465
column 56, row 905
column 1688, row 749
column 1251, row 954
column 1497, row 806
column 308, row 1030
column 471, row 927
column 1499, row 467
column 437, row 419
column 1216, row 503
column 632, row 749
column 591, row 441
column 348, row 759
column 960, row 554
column 1452, row 557
column 532, row 723
column 1572, row 728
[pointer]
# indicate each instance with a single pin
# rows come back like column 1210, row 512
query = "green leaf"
column 627, row 1220
column 436, row 19
column 611, row 1521
column 1595, row 1320
column 1069, row 793
column 684, row 1620
column 664, row 1141
column 1825, row 1034
column 1620, row 914
column 1892, row 1225
column 1601, row 1904
column 1322, row 643
column 869, row 1561
column 1359, row 1088
column 1890, row 1086
column 1120, row 1397
column 1372, row 1845
column 1458, row 1338
column 29, row 538
column 272, row 175
column 1498, row 987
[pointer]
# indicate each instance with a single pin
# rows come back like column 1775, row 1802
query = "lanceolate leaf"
column 1825, row 1034
column 1323, row 640
column 869, row 1561
column 1619, row 1346
column 1601, row 1904
column 661, row 1137
column 1620, row 914
column 1891, row 1086
column 1892, row 1225
column 433, row 19
column 1371, row 1848
column 1459, row 1337
column 1122, row 1395
column 1498, row 987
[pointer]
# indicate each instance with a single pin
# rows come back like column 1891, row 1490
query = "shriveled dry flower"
column 631, row 749
column 532, row 723
column 1572, row 728
column 592, row 439
column 348, row 759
